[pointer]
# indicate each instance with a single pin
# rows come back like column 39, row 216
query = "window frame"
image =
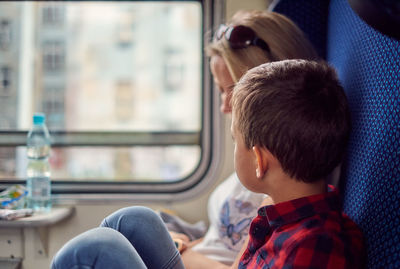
column 210, row 139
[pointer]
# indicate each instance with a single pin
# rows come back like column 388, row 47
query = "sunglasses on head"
column 240, row 37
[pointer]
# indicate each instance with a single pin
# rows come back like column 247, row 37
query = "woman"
column 248, row 40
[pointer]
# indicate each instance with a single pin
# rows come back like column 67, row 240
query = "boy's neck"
column 287, row 189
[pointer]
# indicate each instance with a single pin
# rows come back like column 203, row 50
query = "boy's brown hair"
column 298, row 110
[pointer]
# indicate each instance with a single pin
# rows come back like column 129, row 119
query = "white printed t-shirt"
column 231, row 208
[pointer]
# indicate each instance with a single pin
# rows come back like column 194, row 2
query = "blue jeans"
column 132, row 237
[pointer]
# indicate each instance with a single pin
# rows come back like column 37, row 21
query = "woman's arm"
column 194, row 260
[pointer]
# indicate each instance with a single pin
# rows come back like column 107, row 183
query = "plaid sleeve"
column 320, row 251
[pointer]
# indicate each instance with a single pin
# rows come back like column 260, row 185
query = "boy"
column 290, row 125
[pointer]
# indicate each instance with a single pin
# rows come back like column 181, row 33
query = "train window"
column 125, row 89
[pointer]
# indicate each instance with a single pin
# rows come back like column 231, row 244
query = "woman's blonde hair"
column 284, row 38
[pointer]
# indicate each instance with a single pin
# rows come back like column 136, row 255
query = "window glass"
column 120, row 84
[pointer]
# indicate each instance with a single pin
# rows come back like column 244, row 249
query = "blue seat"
column 310, row 16
column 368, row 65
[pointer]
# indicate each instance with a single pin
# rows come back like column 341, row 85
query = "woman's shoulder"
column 232, row 188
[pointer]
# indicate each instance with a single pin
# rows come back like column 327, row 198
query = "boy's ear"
column 262, row 162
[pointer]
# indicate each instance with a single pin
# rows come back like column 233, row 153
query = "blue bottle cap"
column 38, row 118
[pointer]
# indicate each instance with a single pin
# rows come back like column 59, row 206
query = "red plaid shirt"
column 309, row 232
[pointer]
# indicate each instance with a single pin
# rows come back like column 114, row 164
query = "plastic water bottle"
column 38, row 171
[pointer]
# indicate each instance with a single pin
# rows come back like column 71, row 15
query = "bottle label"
column 39, row 187
column 39, row 193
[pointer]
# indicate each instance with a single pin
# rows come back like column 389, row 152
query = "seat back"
column 312, row 19
column 368, row 65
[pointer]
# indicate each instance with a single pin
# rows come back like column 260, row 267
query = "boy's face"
column 244, row 160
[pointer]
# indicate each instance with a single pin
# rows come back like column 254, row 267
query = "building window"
column 53, row 56
column 174, row 69
column 5, row 34
column 53, row 14
column 124, row 101
column 5, row 81
column 53, row 106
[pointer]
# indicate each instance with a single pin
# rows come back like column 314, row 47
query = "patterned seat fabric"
column 315, row 15
column 368, row 65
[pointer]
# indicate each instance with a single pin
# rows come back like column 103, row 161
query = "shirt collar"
column 295, row 210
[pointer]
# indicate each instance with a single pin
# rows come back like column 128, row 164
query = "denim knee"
column 130, row 216
column 97, row 248
column 146, row 231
